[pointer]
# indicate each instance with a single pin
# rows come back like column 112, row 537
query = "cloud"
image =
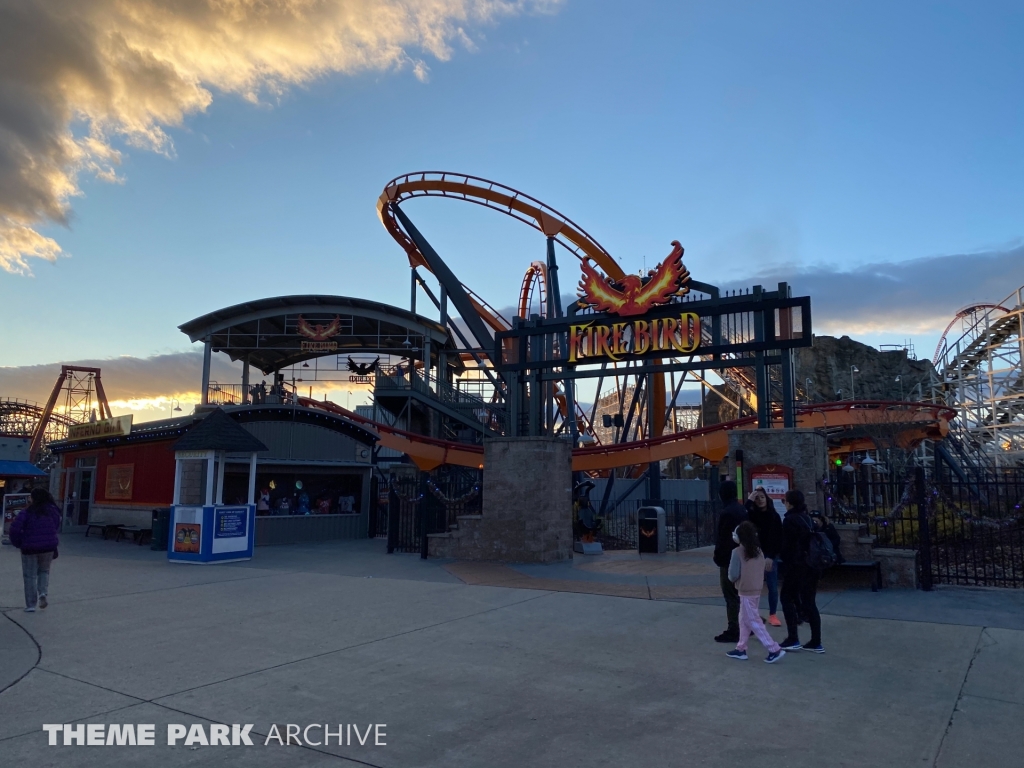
column 126, row 379
column 915, row 296
column 79, row 81
column 147, row 386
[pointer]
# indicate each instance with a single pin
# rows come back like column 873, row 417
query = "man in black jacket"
column 733, row 513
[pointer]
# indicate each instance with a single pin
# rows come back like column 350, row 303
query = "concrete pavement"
column 477, row 665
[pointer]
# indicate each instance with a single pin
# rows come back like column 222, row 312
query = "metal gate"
column 972, row 532
column 967, row 531
column 404, row 513
column 415, row 506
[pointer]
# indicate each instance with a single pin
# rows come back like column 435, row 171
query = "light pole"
column 175, row 407
column 900, row 380
column 807, row 389
column 853, row 393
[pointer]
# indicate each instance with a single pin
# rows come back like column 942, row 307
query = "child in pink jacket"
column 746, row 571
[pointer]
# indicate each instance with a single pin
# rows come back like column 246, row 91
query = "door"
column 85, row 489
column 78, row 491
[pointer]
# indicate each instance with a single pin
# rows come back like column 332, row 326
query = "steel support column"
column 204, row 395
column 654, row 413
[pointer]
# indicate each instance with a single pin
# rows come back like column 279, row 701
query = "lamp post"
column 807, row 389
column 900, row 380
column 853, row 392
column 175, row 407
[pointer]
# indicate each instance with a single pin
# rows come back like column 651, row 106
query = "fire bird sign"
column 316, row 335
column 651, row 323
column 635, row 295
column 616, row 341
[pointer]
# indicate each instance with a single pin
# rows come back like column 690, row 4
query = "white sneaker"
column 30, row 609
column 42, row 602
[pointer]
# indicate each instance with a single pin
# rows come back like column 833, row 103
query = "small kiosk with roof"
column 202, row 528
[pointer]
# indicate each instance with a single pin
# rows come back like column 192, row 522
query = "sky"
column 159, row 160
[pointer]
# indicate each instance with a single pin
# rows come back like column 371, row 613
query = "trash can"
column 161, row 522
column 651, row 524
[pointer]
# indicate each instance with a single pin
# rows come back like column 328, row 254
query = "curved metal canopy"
column 281, row 331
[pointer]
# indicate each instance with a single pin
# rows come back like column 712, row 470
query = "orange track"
column 710, row 443
column 489, row 194
column 921, row 420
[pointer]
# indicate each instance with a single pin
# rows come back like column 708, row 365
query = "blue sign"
column 231, row 523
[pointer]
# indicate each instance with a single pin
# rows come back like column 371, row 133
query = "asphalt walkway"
column 601, row 662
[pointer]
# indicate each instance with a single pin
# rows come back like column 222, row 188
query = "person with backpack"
column 733, row 513
column 746, row 570
column 34, row 532
column 761, row 512
column 799, row 578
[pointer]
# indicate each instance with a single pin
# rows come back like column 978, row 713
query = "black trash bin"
column 161, row 523
column 651, row 533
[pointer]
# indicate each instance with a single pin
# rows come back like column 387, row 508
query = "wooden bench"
column 105, row 528
column 139, row 535
column 875, row 566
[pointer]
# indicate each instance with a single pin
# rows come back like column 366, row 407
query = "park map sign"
column 641, row 318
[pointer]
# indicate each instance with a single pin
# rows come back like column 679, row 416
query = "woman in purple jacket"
column 34, row 532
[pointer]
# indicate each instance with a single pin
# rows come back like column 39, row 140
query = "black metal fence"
column 415, row 505
column 688, row 524
column 967, row 531
column 975, row 531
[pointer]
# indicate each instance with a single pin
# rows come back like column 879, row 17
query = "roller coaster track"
column 497, row 197
column 20, row 418
column 982, row 376
column 534, row 213
column 921, row 420
column 511, row 202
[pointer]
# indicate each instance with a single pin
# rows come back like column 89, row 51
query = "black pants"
column 732, row 600
column 799, row 588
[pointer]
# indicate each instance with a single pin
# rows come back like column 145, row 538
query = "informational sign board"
column 231, row 523
column 13, row 504
column 776, row 480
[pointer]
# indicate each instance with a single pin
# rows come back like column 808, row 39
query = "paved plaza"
column 603, row 662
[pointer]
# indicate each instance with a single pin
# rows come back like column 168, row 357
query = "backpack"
column 820, row 554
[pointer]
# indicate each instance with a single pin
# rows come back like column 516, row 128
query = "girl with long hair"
column 746, row 570
column 761, row 512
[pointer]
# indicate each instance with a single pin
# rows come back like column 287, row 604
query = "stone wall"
column 804, row 450
column 899, row 567
column 527, row 505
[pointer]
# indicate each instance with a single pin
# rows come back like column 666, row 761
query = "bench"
column 105, row 528
column 139, row 535
column 875, row 566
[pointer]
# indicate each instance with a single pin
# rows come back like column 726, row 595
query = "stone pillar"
column 527, row 502
column 805, row 450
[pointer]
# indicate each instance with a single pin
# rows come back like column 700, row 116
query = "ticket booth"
column 203, row 529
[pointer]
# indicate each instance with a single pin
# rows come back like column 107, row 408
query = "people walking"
column 799, row 581
column 34, row 531
column 733, row 513
column 746, row 571
column 761, row 512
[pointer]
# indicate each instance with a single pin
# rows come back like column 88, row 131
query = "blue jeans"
column 771, row 578
column 35, row 569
